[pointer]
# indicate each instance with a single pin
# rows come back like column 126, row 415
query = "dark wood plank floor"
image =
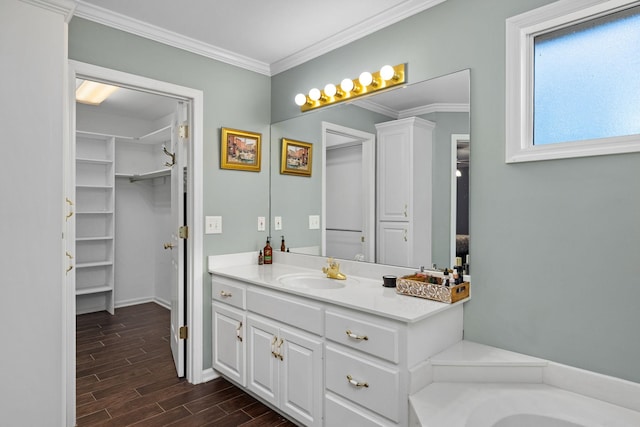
column 126, row 376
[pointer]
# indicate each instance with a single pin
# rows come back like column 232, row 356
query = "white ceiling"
column 263, row 36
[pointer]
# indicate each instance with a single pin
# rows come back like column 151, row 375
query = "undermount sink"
column 313, row 281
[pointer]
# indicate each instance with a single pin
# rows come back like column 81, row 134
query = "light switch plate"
column 277, row 223
column 213, row 225
column 314, row 222
column 261, row 225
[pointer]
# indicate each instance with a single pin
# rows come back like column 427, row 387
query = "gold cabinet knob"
column 169, row 245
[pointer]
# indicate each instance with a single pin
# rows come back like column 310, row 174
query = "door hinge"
column 183, row 131
column 183, row 232
column 184, row 332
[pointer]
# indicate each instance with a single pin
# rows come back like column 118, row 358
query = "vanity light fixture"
column 93, row 93
column 366, row 84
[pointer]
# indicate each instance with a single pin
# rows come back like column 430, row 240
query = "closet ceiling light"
column 366, row 84
column 93, row 93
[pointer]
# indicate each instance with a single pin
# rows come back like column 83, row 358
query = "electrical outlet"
column 213, row 225
column 261, row 223
column 314, row 222
column 277, row 223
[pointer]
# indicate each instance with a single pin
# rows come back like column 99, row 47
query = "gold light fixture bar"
column 350, row 89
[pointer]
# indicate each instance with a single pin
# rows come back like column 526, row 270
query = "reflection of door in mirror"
column 348, row 183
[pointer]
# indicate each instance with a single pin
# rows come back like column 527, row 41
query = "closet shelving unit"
column 156, row 137
column 95, row 200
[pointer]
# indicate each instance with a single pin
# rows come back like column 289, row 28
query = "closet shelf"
column 97, row 238
column 94, row 187
column 94, row 290
column 94, row 264
column 133, row 177
column 95, row 213
column 94, row 161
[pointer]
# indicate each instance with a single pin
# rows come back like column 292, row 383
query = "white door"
column 348, row 161
column 180, row 143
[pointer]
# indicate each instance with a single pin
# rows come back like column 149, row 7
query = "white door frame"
column 194, row 267
column 369, row 182
column 455, row 138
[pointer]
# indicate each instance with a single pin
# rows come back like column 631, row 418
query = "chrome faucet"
column 333, row 270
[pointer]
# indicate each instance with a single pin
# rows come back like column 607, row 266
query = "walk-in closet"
column 124, row 150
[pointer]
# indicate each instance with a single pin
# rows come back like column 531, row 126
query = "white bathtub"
column 515, row 405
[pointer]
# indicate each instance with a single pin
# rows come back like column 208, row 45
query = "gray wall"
column 554, row 245
column 33, row 356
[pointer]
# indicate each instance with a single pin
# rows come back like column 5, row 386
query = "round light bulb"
column 346, row 85
column 300, row 99
column 387, row 72
column 314, row 94
column 330, row 90
column 365, row 78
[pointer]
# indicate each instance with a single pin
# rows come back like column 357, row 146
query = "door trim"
column 455, row 138
column 195, row 220
column 368, row 141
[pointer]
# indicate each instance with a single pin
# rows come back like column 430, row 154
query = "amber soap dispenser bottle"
column 268, row 253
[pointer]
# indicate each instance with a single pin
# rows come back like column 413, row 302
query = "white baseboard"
column 209, row 374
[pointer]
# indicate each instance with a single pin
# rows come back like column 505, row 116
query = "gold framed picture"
column 296, row 157
column 240, row 150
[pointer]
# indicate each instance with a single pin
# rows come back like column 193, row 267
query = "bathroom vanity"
column 323, row 351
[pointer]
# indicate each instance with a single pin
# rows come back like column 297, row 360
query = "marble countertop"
column 359, row 291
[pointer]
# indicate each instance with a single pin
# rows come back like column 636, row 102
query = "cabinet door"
column 262, row 363
column 301, row 377
column 228, row 342
column 394, row 174
column 394, row 243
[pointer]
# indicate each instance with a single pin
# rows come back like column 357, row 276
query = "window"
column 573, row 80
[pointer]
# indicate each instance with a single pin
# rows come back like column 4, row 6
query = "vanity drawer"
column 363, row 334
column 287, row 309
column 229, row 292
column 344, row 371
column 340, row 413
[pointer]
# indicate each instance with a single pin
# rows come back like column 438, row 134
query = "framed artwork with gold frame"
column 296, row 158
column 240, row 150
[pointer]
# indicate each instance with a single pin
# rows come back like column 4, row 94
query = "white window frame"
column 520, row 33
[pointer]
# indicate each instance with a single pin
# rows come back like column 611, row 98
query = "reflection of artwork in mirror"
column 240, row 150
column 296, row 157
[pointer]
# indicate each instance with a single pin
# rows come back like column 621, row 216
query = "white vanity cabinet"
column 258, row 342
column 285, row 369
column 404, row 176
column 327, row 359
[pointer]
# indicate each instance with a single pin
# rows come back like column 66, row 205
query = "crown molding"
column 412, row 112
column 152, row 32
column 64, row 7
column 369, row 26
column 81, row 9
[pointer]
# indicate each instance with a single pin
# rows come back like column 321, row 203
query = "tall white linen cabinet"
column 404, row 191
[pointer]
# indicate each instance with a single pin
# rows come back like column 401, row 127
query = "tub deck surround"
column 364, row 293
column 475, row 385
column 493, row 404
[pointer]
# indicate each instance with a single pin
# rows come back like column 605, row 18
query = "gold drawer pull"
column 238, row 332
column 225, row 294
column 356, row 383
column 356, row 337
column 273, row 348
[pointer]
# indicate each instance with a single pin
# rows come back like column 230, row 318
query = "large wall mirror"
column 333, row 212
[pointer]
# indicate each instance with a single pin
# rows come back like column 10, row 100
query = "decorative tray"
column 419, row 286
